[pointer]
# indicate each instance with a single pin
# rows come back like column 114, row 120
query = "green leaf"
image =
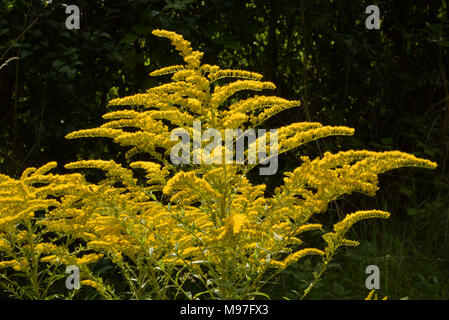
column 412, row 211
column 57, row 63
column 25, row 53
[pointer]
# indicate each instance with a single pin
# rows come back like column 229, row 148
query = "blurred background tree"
column 389, row 84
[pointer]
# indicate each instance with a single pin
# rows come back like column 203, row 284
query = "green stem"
column 34, row 263
column 318, row 276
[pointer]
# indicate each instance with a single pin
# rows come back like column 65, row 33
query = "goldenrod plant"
column 194, row 229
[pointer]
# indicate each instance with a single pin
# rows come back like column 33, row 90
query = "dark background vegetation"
column 390, row 85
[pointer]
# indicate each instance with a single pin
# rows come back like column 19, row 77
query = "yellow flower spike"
column 233, row 225
column 235, row 120
column 227, row 73
column 21, row 264
column 27, row 173
column 92, row 133
column 113, row 169
column 238, row 222
column 349, row 243
column 7, row 264
column 167, row 70
column 300, row 254
column 222, row 93
column 310, row 227
column 182, row 75
column 121, row 114
column 45, row 168
column 370, row 295
column 46, row 248
column 183, row 46
column 53, row 259
column 92, row 284
column 373, row 296
column 89, row 258
column 288, row 143
column 343, row 226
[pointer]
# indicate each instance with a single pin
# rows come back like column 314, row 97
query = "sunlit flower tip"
column 50, row 259
column 89, row 258
column 302, row 253
column 7, row 264
column 167, row 70
column 310, row 227
column 349, row 243
column 91, row 283
column 342, row 226
column 370, row 295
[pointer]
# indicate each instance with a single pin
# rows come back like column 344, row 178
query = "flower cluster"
column 204, row 221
